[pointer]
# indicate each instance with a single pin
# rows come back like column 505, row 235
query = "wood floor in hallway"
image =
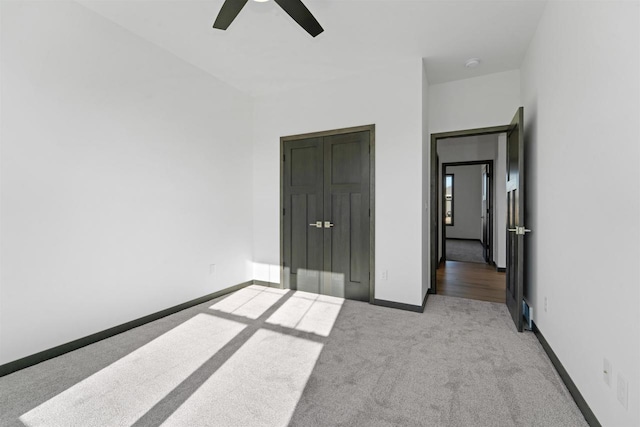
column 471, row 280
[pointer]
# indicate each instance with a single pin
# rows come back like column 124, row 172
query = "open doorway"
column 466, row 191
column 511, row 159
column 471, row 215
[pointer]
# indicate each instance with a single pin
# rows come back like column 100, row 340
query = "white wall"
column 390, row 98
column 1, row 235
column 426, row 188
column 467, row 202
column 500, row 203
column 124, row 175
column 468, row 148
column 580, row 86
column 479, row 102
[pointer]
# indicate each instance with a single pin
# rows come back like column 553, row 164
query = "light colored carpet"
column 464, row 250
column 271, row 357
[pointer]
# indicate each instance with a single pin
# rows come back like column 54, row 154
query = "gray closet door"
column 303, row 239
column 326, row 215
column 346, row 206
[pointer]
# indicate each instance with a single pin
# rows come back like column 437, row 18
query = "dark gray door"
column 326, row 215
column 303, row 200
column 485, row 213
column 515, row 217
column 346, row 207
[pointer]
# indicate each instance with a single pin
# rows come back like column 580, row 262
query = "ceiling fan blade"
column 301, row 15
column 230, row 9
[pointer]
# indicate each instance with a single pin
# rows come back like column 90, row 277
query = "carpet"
column 464, row 250
column 276, row 358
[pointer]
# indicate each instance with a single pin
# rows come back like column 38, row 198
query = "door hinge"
column 284, row 211
column 284, row 157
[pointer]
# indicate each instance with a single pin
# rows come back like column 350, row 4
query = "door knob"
column 328, row 224
column 520, row 230
column 317, row 224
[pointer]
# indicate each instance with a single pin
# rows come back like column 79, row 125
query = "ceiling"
column 265, row 51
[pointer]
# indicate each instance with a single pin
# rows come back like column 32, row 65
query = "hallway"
column 470, row 280
column 465, row 250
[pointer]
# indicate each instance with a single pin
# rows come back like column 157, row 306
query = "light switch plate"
column 623, row 391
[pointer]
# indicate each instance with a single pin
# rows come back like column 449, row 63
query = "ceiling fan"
column 295, row 9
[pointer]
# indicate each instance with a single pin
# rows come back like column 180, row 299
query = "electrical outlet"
column 623, row 391
column 546, row 305
column 607, row 372
column 385, row 274
column 212, row 269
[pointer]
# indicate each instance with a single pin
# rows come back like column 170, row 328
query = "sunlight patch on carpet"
column 121, row 393
column 260, row 385
column 308, row 312
column 250, row 302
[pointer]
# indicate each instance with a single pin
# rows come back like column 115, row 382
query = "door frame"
column 490, row 202
column 372, row 138
column 434, row 188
